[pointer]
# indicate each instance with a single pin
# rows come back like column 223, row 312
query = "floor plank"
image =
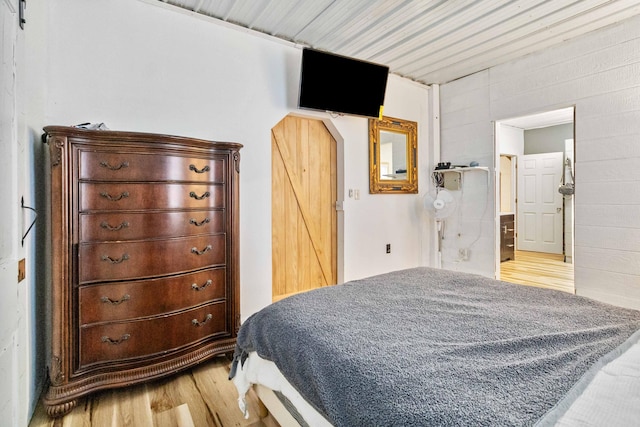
column 539, row 269
column 180, row 416
column 173, row 393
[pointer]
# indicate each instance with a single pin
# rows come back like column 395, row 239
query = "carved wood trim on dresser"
column 144, row 258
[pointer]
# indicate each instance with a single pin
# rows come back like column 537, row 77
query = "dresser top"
column 126, row 136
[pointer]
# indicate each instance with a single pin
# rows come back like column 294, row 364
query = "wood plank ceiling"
column 429, row 41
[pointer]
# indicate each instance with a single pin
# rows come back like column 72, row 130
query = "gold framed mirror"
column 393, row 156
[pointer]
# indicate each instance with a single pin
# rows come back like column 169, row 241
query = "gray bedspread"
column 434, row 347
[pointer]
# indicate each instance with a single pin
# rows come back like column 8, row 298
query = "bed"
column 427, row 346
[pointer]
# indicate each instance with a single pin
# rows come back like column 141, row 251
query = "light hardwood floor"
column 539, row 269
column 200, row 397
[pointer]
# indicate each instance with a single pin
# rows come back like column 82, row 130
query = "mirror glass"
column 392, row 156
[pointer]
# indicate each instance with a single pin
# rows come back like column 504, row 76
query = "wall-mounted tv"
column 339, row 84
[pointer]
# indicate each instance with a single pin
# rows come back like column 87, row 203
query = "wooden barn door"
column 303, row 186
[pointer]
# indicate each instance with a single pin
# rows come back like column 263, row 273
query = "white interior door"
column 9, row 305
column 539, row 203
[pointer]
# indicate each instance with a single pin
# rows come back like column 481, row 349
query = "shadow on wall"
column 42, row 248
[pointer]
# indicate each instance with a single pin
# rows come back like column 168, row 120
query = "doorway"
column 534, row 155
column 304, row 217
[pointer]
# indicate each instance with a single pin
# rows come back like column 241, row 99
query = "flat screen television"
column 339, row 84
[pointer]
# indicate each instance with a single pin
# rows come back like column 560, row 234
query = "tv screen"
column 339, row 84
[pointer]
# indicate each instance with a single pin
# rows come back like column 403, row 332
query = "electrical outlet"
column 388, row 248
column 464, row 254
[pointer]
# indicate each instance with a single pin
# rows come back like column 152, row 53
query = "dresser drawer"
column 113, row 166
column 507, row 229
column 97, row 227
column 131, row 260
column 141, row 196
column 128, row 300
column 120, row 341
column 507, row 237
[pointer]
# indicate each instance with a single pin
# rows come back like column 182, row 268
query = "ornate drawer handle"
column 114, row 199
column 197, row 252
column 195, row 322
column 124, row 298
column 114, row 168
column 115, row 261
column 195, row 286
column 198, row 224
column 196, row 170
column 106, row 226
column 122, row 339
column 195, row 196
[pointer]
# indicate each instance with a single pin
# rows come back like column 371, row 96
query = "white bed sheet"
column 257, row 370
column 611, row 398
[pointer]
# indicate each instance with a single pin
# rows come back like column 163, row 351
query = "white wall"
column 466, row 136
column 30, row 351
column 547, row 139
column 145, row 66
column 510, row 139
column 600, row 74
column 378, row 219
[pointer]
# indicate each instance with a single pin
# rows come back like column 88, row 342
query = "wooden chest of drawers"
column 144, row 261
column 507, row 237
